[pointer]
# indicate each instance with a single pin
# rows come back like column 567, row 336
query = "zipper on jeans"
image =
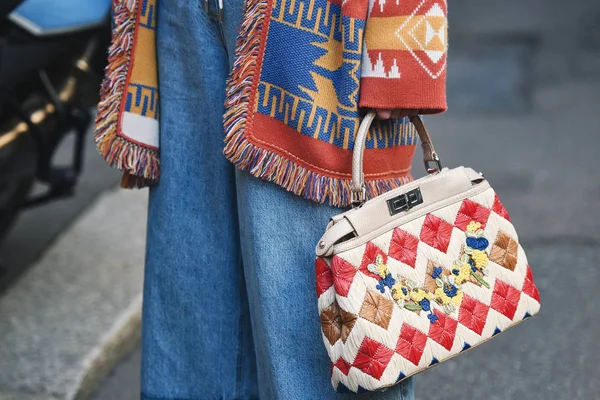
column 216, row 15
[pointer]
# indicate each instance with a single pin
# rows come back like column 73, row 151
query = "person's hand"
column 386, row 113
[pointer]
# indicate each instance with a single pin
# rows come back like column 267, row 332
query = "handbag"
column 415, row 276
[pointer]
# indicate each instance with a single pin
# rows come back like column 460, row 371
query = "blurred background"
column 524, row 98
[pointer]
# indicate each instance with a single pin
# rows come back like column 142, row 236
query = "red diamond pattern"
column 529, row 287
column 411, row 343
column 371, row 253
column 403, row 247
column 324, row 276
column 505, row 299
column 436, row 232
column 343, row 275
column 471, row 211
column 473, row 314
column 343, row 366
column 372, row 358
column 499, row 209
column 443, row 330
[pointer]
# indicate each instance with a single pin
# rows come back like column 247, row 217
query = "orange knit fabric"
column 404, row 55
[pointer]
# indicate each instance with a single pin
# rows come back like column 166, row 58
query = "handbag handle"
column 430, row 157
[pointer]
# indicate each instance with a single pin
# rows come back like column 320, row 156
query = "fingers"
column 386, row 113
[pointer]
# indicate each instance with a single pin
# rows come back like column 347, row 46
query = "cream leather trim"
column 373, row 218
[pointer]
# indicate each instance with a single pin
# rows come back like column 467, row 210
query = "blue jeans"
column 230, row 307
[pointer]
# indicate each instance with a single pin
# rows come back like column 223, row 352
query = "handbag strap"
column 430, row 157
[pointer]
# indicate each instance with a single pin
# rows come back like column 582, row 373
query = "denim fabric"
column 230, row 308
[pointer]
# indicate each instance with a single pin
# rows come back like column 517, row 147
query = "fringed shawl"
column 303, row 70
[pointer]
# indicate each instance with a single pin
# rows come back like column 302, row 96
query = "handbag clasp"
column 405, row 201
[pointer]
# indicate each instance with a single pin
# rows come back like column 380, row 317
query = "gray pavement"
column 73, row 305
column 76, row 312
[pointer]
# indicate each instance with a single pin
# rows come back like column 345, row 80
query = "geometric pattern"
column 404, row 247
column 426, row 33
column 377, row 309
column 372, row 358
column 331, row 322
column 473, row 314
column 499, row 209
column 443, row 331
column 504, row 252
column 411, row 344
column 505, row 299
column 436, row 232
column 529, row 287
column 471, row 211
column 372, row 341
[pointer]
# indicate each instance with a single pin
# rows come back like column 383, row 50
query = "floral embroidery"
column 462, row 273
column 415, row 297
column 437, row 271
column 442, row 287
column 379, row 268
column 400, row 292
column 475, row 255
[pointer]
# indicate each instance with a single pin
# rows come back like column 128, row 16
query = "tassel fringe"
column 141, row 165
column 264, row 163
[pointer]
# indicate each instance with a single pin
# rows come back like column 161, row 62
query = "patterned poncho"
column 303, row 70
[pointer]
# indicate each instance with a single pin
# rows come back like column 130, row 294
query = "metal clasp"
column 357, row 199
column 405, row 201
column 436, row 162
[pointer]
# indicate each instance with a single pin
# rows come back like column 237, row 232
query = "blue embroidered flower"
column 437, row 271
column 425, row 305
column 456, row 271
column 450, row 290
column 472, row 264
column 404, row 291
column 388, row 281
column 432, row 317
column 480, row 243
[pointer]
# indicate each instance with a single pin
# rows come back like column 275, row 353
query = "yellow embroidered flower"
column 449, row 294
column 382, row 270
column 473, row 226
column 419, row 294
column 441, row 297
column 480, row 258
column 461, row 273
column 458, row 298
column 399, row 292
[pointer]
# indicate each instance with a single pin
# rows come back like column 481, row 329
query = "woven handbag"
column 417, row 275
